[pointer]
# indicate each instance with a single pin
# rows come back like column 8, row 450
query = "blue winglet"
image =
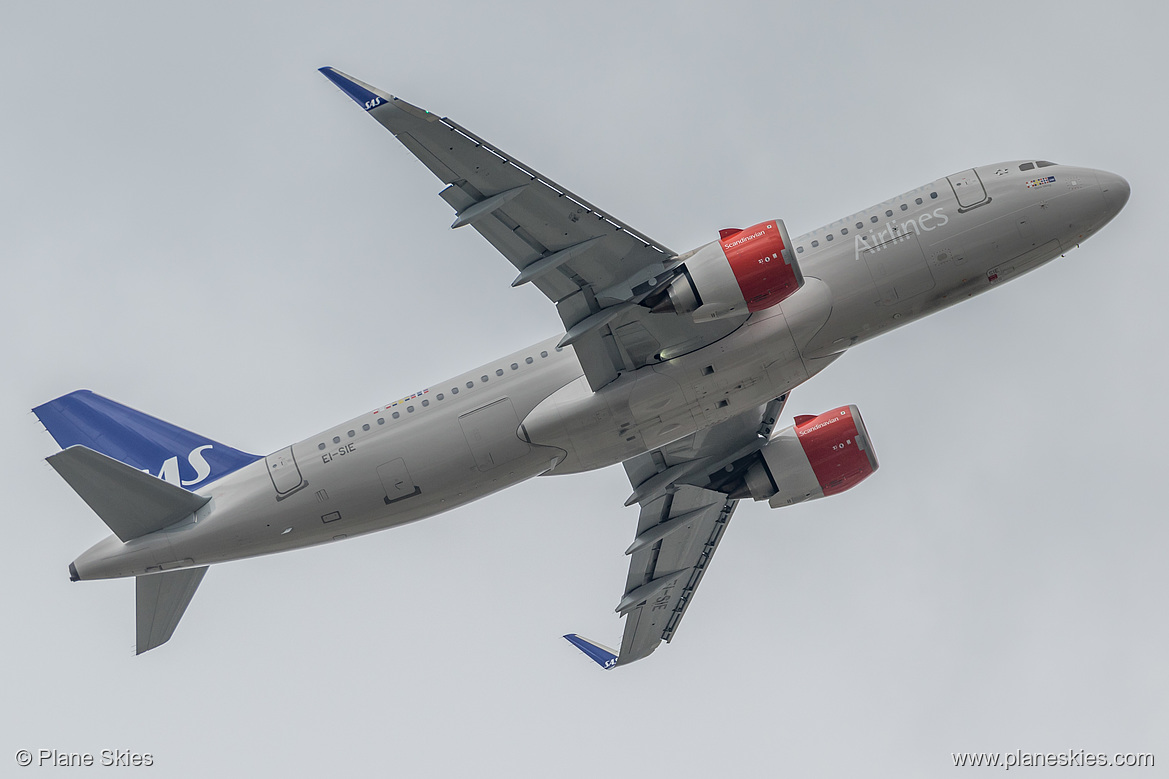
column 357, row 90
column 601, row 655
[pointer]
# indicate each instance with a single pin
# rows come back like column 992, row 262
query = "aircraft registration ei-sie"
column 676, row 366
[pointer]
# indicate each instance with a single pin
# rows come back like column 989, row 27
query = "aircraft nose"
column 1115, row 190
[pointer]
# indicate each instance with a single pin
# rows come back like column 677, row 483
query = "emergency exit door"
column 491, row 434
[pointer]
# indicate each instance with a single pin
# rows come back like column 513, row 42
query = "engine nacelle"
column 818, row 456
column 745, row 270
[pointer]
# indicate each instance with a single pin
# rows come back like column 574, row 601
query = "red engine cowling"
column 818, row 456
column 745, row 270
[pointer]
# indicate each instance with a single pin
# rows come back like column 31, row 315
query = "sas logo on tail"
column 169, row 471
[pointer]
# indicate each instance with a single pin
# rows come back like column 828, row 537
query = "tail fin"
column 159, row 448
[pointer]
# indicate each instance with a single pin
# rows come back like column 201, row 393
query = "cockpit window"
column 1043, row 164
column 1027, row 166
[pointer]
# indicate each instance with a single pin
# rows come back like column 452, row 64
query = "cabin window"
column 336, row 439
column 918, row 201
column 888, row 212
column 904, row 207
column 829, row 237
column 352, row 433
column 873, row 219
column 844, row 231
column 454, row 390
column 799, row 250
column 528, row 360
column 440, row 396
column 543, row 354
column 381, row 420
column 320, row 446
column 815, row 244
column 365, row 428
column 470, row 384
column 933, row 196
column 499, row 372
column 860, row 225
column 397, row 414
column 484, row 378
column 409, row 409
column 515, row 366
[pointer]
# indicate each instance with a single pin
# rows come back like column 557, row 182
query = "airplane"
column 675, row 365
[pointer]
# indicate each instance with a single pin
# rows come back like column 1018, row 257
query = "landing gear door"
column 968, row 189
column 285, row 473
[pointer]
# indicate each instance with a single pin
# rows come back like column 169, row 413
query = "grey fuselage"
column 532, row 412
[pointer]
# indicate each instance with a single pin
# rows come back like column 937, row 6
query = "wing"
column 594, row 267
column 664, row 572
column 684, row 514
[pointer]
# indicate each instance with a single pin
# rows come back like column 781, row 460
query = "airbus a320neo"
column 675, row 365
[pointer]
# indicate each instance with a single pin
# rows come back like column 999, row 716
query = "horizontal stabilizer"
column 161, row 599
column 600, row 654
column 131, row 502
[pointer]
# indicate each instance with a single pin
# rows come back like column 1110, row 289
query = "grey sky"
column 198, row 224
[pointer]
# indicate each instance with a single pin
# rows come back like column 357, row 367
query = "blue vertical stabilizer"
column 178, row 456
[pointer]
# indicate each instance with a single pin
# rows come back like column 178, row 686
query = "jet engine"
column 743, row 271
column 818, row 456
